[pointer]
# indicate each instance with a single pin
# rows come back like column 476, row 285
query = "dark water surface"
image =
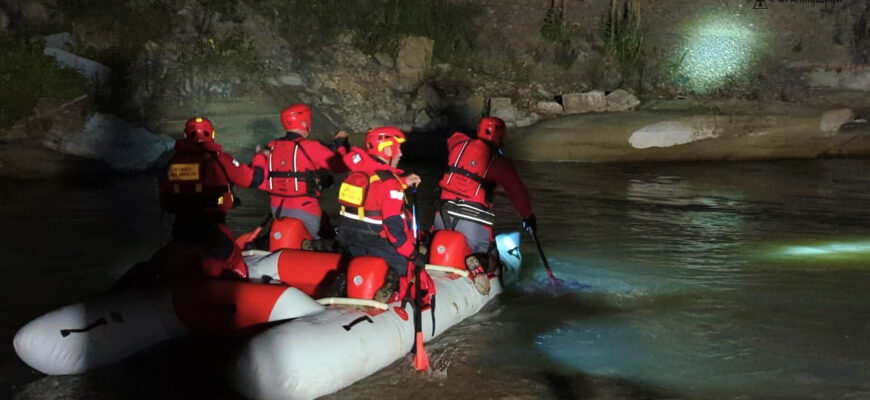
column 685, row 281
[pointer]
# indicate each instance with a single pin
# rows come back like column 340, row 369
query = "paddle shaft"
column 541, row 252
column 421, row 360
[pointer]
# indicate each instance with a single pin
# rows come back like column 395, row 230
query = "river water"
column 681, row 281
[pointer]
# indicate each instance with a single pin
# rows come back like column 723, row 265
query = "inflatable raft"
column 108, row 328
column 321, row 353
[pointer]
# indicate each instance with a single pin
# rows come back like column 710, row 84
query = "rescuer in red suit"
column 375, row 219
column 476, row 166
column 197, row 189
column 296, row 169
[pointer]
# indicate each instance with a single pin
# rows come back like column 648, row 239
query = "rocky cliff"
column 419, row 64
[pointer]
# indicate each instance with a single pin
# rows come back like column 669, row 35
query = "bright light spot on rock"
column 717, row 50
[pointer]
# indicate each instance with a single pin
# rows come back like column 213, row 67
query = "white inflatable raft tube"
column 108, row 328
column 322, row 353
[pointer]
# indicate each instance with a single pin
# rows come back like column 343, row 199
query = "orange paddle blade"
column 421, row 360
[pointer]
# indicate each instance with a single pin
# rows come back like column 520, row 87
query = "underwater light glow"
column 717, row 50
column 829, row 249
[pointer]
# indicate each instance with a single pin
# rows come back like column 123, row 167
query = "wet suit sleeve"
column 395, row 227
column 323, row 157
column 506, row 176
column 239, row 173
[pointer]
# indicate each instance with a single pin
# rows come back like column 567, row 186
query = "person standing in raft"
column 297, row 169
column 476, row 166
column 197, row 189
column 374, row 217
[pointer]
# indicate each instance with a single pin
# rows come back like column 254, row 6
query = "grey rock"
column 116, row 142
column 426, row 96
column 621, row 100
column 856, row 78
column 385, row 59
column 290, row 79
column 415, row 55
column 500, row 107
column 58, row 40
column 576, row 103
column 98, row 74
column 422, row 119
column 528, row 120
column 834, row 119
column 549, row 107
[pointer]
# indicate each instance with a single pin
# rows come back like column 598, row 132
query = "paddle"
column 553, row 280
column 421, row 360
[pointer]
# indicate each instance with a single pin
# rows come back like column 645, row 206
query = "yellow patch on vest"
column 183, row 172
column 351, row 194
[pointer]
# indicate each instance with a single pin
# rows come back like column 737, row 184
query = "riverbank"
column 683, row 130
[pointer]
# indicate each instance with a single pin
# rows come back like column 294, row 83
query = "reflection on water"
column 695, row 281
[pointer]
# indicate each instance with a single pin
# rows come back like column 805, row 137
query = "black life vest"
column 195, row 182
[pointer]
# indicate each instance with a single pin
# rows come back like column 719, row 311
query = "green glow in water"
column 829, row 250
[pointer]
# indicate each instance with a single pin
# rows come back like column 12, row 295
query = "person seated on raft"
column 374, row 217
column 197, row 189
column 476, row 166
column 297, row 169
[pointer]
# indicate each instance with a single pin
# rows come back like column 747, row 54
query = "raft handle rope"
column 346, row 301
column 67, row 332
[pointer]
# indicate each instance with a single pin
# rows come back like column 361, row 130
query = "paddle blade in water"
column 421, row 360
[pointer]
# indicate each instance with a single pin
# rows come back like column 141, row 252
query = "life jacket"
column 465, row 178
column 292, row 172
column 353, row 194
column 195, row 182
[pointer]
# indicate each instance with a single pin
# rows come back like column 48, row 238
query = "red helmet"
column 296, row 117
column 492, row 130
column 379, row 139
column 199, row 128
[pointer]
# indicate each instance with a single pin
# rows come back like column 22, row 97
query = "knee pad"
column 449, row 249
column 287, row 233
column 365, row 275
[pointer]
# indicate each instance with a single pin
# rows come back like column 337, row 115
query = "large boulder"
column 116, row 142
column 501, row 107
column 549, row 107
column 620, row 100
column 579, row 103
column 415, row 55
column 98, row 75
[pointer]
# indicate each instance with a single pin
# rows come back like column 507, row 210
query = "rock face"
column 116, row 142
column 415, row 55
